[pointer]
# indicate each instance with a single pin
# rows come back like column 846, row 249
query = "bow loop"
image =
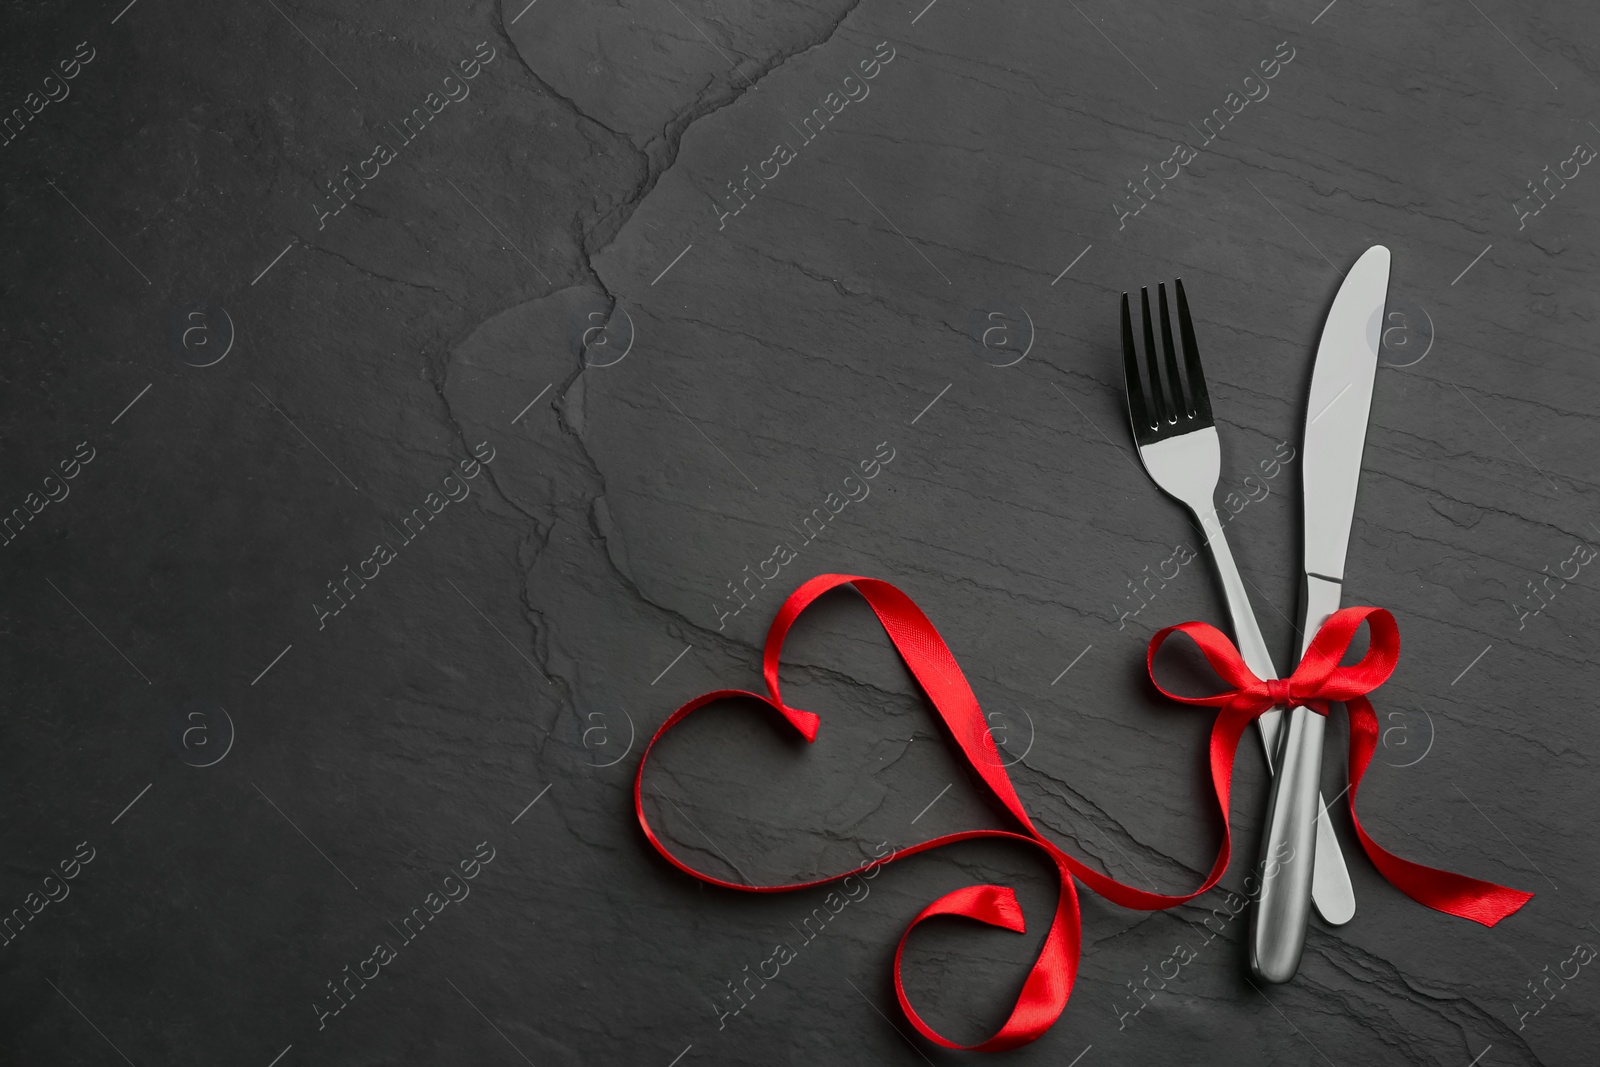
column 1319, row 670
column 1224, row 659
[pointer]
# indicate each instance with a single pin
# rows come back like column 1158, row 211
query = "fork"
column 1178, row 445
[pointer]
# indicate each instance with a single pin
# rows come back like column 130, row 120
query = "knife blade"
column 1335, row 437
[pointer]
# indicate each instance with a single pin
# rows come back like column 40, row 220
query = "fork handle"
column 1330, row 878
column 1278, row 927
column 1246, row 634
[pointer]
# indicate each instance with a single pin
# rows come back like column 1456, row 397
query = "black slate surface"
column 224, row 783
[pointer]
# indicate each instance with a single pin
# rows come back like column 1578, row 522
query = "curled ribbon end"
column 804, row 721
column 1510, row 902
column 1007, row 912
column 995, row 905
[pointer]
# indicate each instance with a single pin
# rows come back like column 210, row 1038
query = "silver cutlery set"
column 1170, row 413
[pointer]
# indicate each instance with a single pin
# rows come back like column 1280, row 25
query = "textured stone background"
column 267, row 792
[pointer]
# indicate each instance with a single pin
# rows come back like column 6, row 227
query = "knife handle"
column 1288, row 850
column 1329, row 878
column 1331, row 892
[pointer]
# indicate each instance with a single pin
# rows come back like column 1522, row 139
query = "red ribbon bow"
column 1317, row 680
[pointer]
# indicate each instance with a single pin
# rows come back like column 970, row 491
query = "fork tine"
column 1158, row 393
column 1137, row 411
column 1180, row 403
column 1191, row 357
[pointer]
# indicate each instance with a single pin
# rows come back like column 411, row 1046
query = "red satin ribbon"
column 1317, row 680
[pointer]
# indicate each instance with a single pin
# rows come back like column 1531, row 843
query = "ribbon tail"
column 1454, row 894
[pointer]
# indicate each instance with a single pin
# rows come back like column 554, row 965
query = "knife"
column 1336, row 431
